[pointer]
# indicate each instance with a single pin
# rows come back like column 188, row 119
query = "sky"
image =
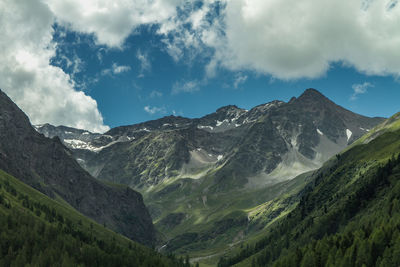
column 98, row 64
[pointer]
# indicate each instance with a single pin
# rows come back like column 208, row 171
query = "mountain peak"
column 312, row 96
column 311, row 92
column 226, row 108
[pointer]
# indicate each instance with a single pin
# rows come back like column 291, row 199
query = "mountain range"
column 275, row 141
column 206, row 181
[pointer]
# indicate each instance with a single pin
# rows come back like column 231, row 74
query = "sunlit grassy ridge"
column 389, row 125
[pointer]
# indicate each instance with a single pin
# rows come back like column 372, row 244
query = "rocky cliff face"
column 47, row 165
column 269, row 143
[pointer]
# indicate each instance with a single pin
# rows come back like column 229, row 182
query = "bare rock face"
column 47, row 165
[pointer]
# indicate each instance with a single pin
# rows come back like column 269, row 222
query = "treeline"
column 33, row 234
column 356, row 228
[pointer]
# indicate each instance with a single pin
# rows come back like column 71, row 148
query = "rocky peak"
column 228, row 108
column 311, row 95
column 9, row 112
column 311, row 92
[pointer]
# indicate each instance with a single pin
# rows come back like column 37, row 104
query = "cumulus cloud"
column 281, row 38
column 111, row 21
column 154, row 110
column 286, row 39
column 359, row 89
column 291, row 40
column 45, row 92
column 185, row 87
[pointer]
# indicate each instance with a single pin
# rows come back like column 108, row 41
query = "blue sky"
column 99, row 65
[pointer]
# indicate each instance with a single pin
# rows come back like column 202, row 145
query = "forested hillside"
column 349, row 214
column 38, row 231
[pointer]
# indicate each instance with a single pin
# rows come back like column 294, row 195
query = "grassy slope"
column 346, row 197
column 389, row 125
column 215, row 223
column 22, row 207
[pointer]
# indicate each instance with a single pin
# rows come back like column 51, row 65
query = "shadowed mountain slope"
column 48, row 166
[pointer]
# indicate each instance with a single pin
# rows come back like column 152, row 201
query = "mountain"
column 47, row 165
column 39, row 231
column 348, row 214
column 267, row 140
column 214, row 181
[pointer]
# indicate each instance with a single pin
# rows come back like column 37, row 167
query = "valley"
column 211, row 184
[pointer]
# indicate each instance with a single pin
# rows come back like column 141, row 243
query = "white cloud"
column 154, row 110
column 111, row 21
column 290, row 40
column 120, row 69
column 185, row 87
column 286, row 39
column 115, row 69
column 239, row 80
column 360, row 89
column 45, row 92
column 281, row 38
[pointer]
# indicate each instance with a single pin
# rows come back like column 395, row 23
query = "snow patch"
column 349, row 134
column 78, row 144
column 219, row 123
column 293, row 140
column 248, row 121
column 85, row 133
column 205, row 127
column 68, row 132
column 75, row 142
column 219, row 157
column 319, row 132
